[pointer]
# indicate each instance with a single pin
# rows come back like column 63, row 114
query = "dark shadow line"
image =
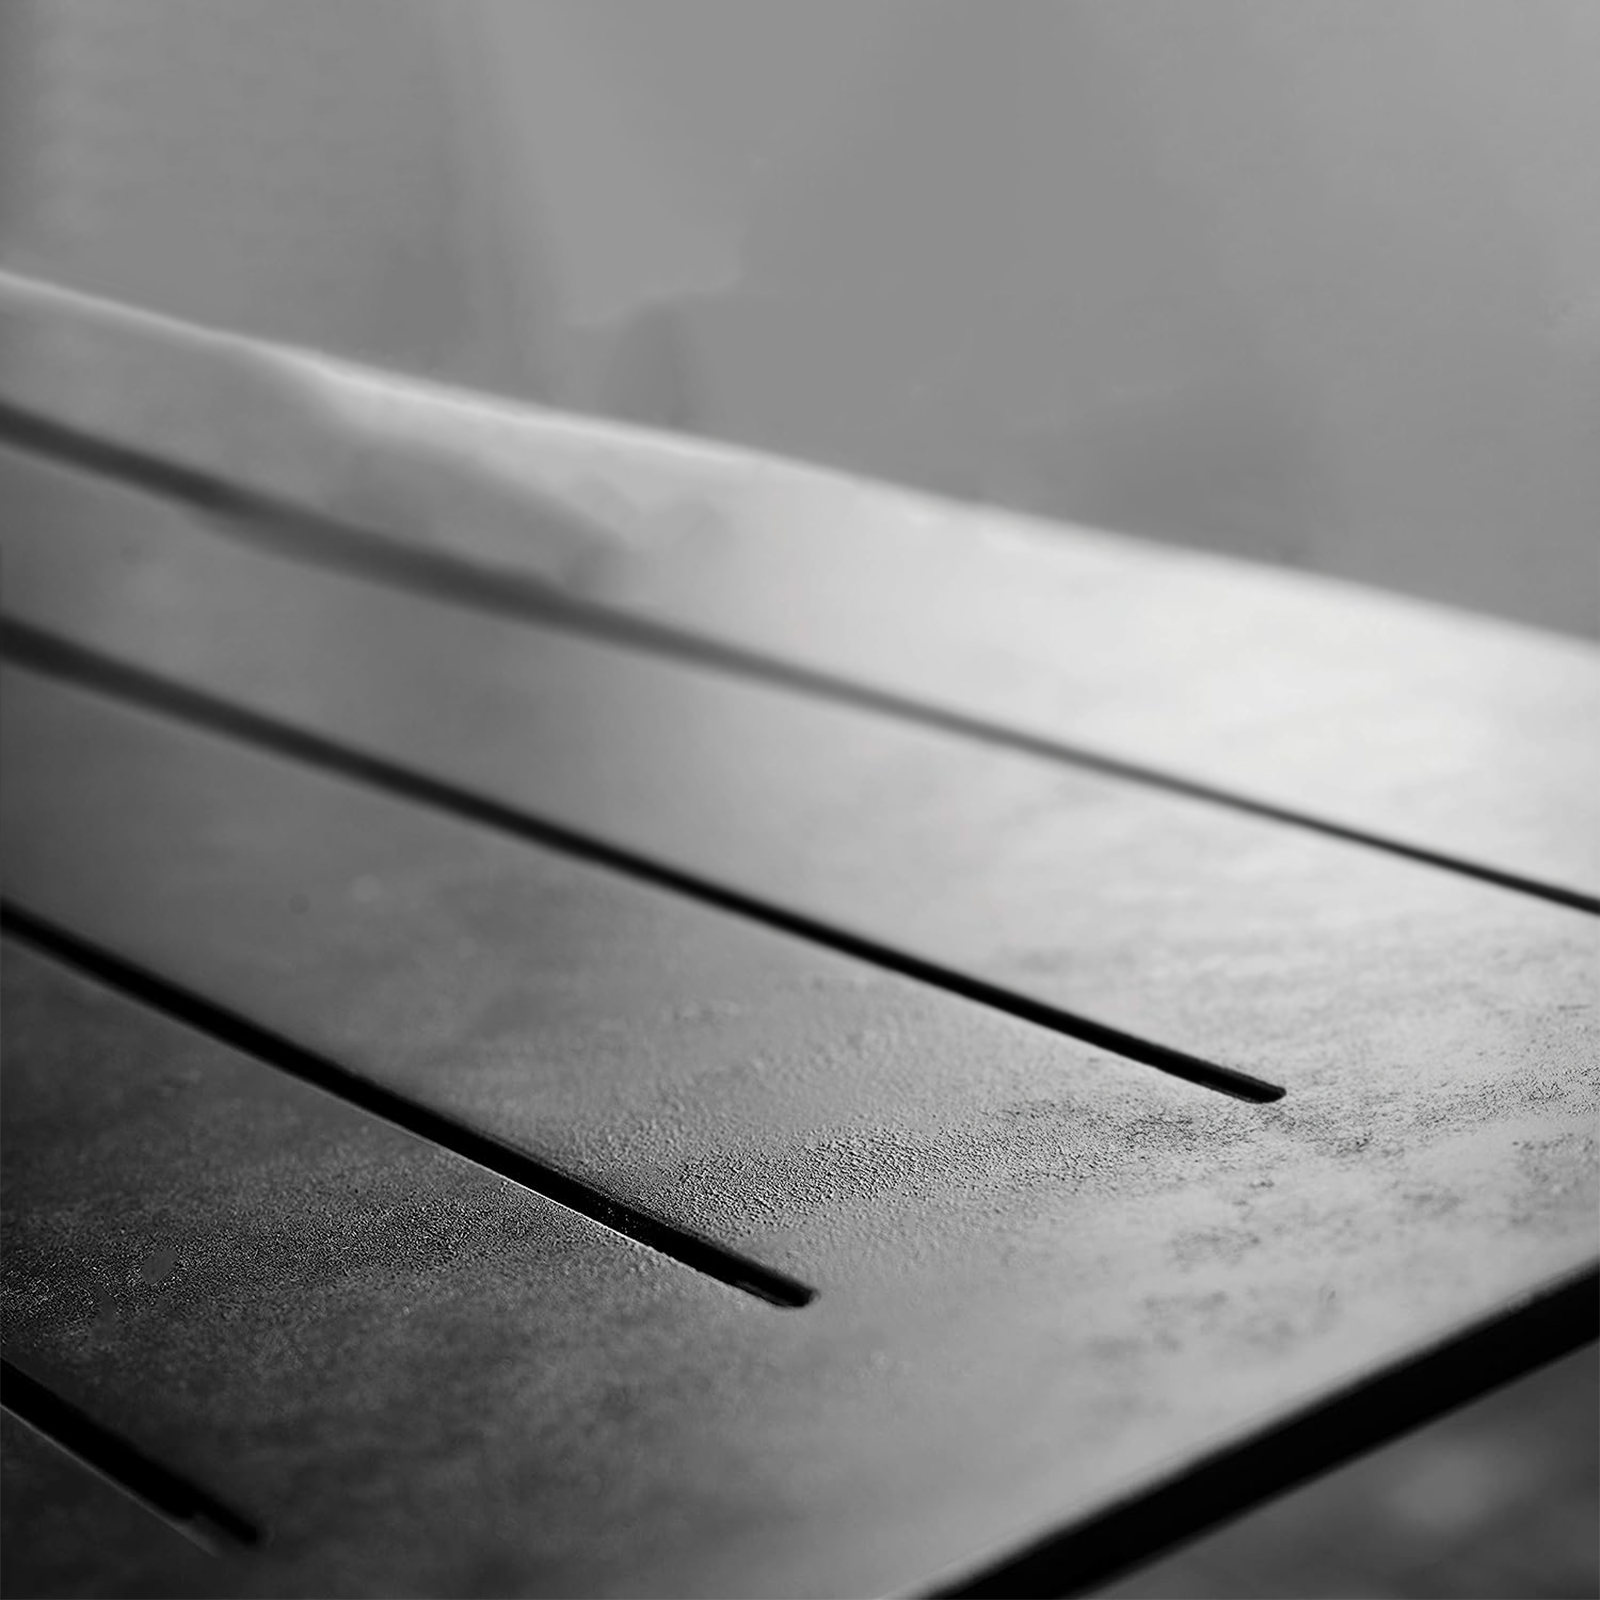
column 256, row 518
column 1233, row 1480
column 43, row 652
column 191, row 1510
column 273, row 1050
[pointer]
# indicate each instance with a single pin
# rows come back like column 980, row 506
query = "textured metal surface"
column 1058, row 1290
column 555, row 1005
column 1448, row 734
column 1459, row 738
column 1048, row 1277
column 417, row 1377
column 1300, row 960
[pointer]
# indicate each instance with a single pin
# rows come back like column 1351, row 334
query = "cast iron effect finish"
column 57, row 657
column 1083, row 647
column 1019, row 1241
column 283, row 827
column 1531, row 688
column 1240, row 946
column 700, row 1254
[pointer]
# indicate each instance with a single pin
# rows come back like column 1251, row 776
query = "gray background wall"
column 1314, row 281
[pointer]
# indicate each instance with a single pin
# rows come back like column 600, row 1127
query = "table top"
column 776, row 1036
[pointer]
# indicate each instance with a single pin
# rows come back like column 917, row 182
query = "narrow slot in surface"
column 198, row 1515
column 256, row 518
column 45, row 653
column 272, row 1049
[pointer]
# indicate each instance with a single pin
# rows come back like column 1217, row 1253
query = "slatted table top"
column 776, row 1037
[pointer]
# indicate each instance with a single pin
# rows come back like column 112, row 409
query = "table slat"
column 1043, row 1271
column 1298, row 960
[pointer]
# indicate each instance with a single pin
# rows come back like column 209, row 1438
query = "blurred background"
column 1312, row 281
column 1315, row 282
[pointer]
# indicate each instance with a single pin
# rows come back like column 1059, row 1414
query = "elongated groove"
column 256, row 518
column 45, row 653
column 271, row 1048
column 194, row 1512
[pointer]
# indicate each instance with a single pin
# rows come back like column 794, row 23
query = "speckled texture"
column 1046, row 1274
column 1448, row 733
column 1303, row 960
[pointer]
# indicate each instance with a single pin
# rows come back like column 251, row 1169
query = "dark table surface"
column 804, row 1059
